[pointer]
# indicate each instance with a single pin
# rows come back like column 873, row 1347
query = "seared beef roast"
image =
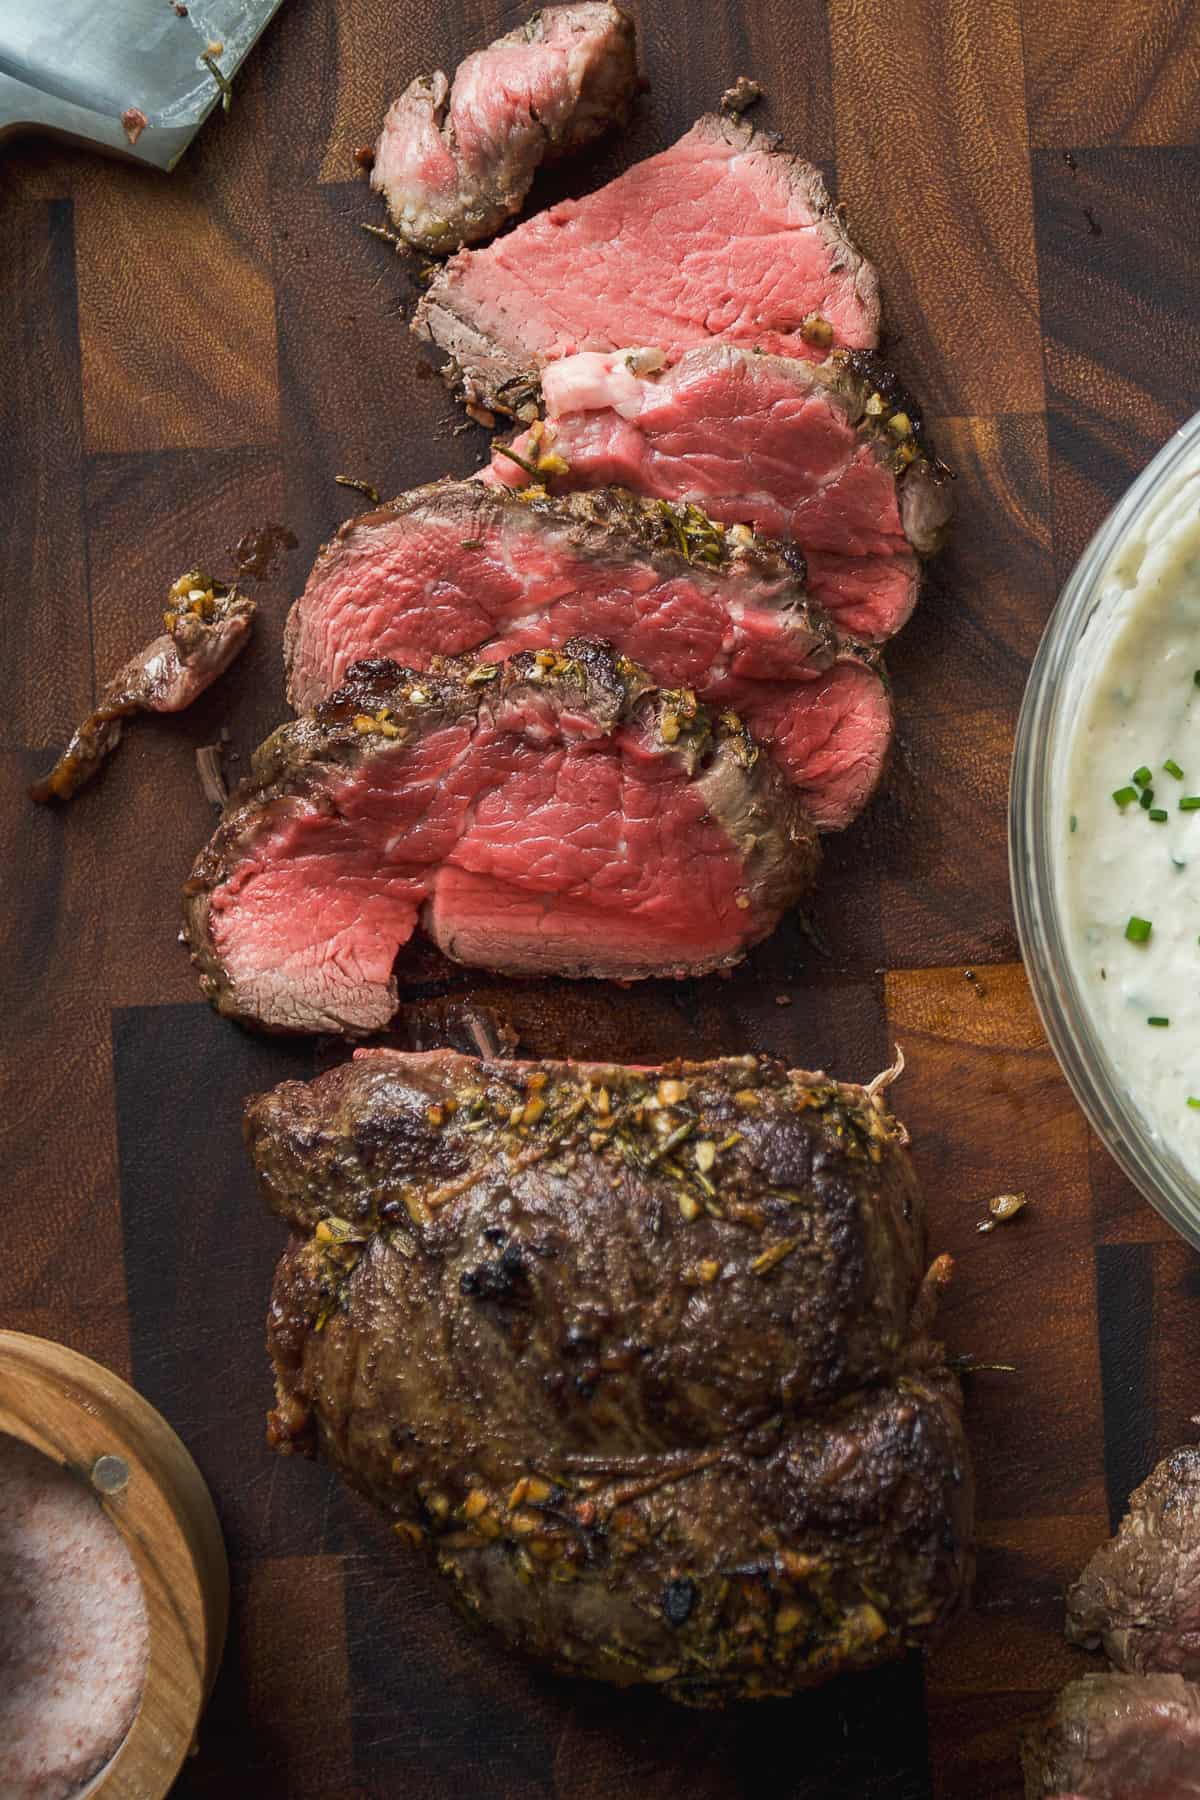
column 827, row 454
column 557, row 814
column 459, row 567
column 723, row 236
column 455, row 161
column 206, row 625
column 1139, row 1596
column 639, row 1356
column 1117, row 1737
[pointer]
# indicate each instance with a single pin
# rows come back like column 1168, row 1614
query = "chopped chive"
column 1158, row 814
column 1173, row 768
column 1190, row 803
column 1074, row 823
column 1196, row 678
column 1158, row 1021
column 1146, row 798
column 1193, row 1101
column 1123, row 796
column 1138, row 930
column 1142, row 776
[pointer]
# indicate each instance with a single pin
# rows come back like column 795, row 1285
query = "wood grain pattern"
column 193, row 356
column 1135, row 79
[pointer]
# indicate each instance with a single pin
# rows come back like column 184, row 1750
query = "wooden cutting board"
column 191, row 357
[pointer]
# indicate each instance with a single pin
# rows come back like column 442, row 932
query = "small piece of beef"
column 1117, row 1737
column 458, row 567
column 724, row 236
column 454, row 162
column 553, row 815
column 639, row 1357
column 829, row 455
column 1139, row 1596
column 207, row 625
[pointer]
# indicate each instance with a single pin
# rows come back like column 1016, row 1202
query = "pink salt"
column 73, row 1630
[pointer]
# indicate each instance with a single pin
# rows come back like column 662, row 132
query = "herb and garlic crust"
column 640, row 1356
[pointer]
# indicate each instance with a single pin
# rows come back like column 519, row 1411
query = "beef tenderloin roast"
column 639, row 1357
column 556, row 814
column 455, row 160
column 723, row 236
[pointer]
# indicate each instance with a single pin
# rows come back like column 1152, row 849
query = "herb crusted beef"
column 1139, row 1596
column 455, row 160
column 458, row 567
column 205, row 627
column 829, row 455
column 640, row 1357
column 722, row 237
column 554, row 815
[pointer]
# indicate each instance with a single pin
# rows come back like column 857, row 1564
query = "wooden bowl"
column 83, row 1416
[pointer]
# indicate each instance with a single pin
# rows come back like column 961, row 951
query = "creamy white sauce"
column 1140, row 708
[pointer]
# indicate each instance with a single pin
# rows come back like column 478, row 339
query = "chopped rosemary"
column 1157, row 1021
column 1173, row 768
column 1142, row 776
column 499, row 449
column 1158, row 814
column 1124, row 795
column 1138, row 930
column 1190, row 803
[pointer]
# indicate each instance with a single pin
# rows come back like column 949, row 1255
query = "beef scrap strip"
column 768, row 265
column 830, row 455
column 1117, row 1737
column 639, row 1357
column 558, row 814
column 458, row 567
column 1139, row 1596
column 454, row 161
column 206, row 626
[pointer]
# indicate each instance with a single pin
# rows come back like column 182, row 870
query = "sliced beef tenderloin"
column 454, row 161
column 553, row 815
column 1117, row 1737
column 206, row 625
column 830, row 455
column 459, row 567
column 639, row 1357
column 723, row 236
column 1139, row 1596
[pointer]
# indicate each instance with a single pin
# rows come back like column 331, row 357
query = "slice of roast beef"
column 723, row 236
column 458, row 567
column 1139, row 1596
column 1117, row 1737
column 639, row 1357
column 553, row 815
column 830, row 455
column 454, row 161
column 206, row 625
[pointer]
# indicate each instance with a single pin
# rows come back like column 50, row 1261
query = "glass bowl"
column 1075, row 639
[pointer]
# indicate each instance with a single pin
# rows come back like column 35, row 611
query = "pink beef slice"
column 453, row 162
column 723, row 236
column 829, row 455
column 557, row 815
column 457, row 568
column 1117, row 1737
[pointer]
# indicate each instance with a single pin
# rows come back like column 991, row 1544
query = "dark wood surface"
column 185, row 358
